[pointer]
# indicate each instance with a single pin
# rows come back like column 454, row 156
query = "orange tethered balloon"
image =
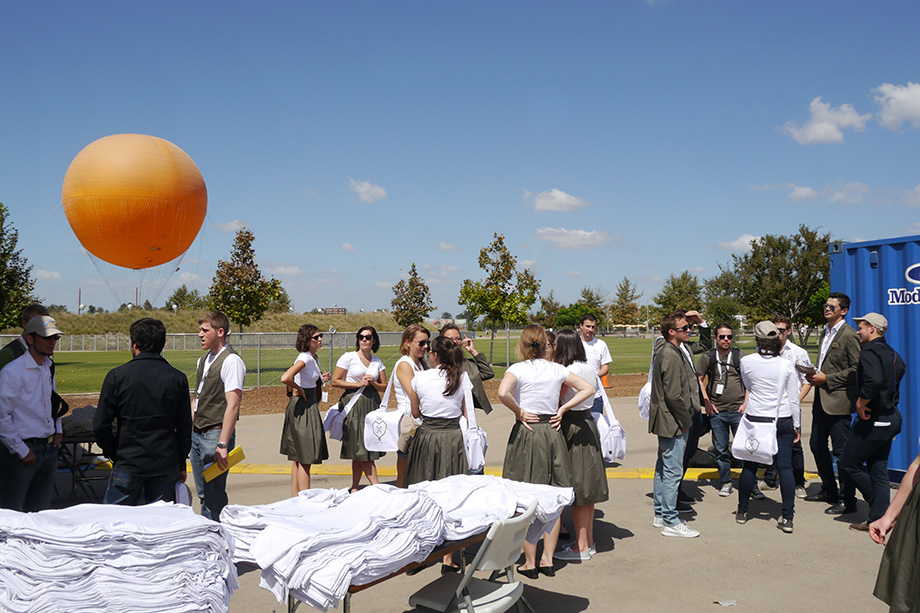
column 134, row 200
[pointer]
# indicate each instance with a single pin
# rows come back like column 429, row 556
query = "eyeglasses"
column 317, row 337
column 685, row 328
column 423, row 343
column 830, row 307
column 365, row 337
column 722, row 337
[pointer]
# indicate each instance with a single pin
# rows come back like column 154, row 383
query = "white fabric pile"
column 160, row 557
column 316, row 556
column 471, row 503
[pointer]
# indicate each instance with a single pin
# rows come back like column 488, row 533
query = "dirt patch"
column 268, row 400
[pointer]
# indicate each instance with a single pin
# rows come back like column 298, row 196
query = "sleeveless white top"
column 402, row 398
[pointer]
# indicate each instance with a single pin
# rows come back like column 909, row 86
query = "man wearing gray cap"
column 29, row 432
column 878, row 375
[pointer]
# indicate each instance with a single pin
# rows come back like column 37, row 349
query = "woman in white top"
column 361, row 372
column 536, row 451
column 437, row 397
column 772, row 393
column 302, row 438
column 589, row 478
column 413, row 347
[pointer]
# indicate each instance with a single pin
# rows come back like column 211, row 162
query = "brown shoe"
column 862, row 527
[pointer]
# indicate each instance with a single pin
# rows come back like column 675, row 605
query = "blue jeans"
column 723, row 422
column 211, row 494
column 124, row 488
column 668, row 472
column 28, row 488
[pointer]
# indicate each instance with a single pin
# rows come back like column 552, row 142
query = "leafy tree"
column 679, row 292
column 238, row 288
column 624, row 310
column 281, row 303
column 446, row 315
column 721, row 302
column 597, row 300
column 147, row 305
column 58, row 308
column 185, row 298
column 570, row 316
column 782, row 275
column 411, row 299
column 814, row 314
column 549, row 309
column 505, row 295
column 16, row 282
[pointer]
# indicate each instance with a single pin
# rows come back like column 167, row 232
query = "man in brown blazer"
column 835, row 401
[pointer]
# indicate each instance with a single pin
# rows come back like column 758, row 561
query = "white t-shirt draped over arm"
column 429, row 385
column 586, row 372
column 310, row 372
column 538, row 385
column 772, row 381
column 402, row 398
column 355, row 369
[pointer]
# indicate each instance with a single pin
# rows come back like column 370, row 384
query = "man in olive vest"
column 218, row 391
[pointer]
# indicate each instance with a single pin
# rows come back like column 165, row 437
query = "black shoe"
column 549, row 571
column 839, row 508
column 821, row 496
column 683, row 507
column 447, row 568
column 530, row 573
column 685, row 499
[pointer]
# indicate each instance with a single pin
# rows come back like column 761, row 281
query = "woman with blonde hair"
column 537, row 451
column 413, row 347
column 302, row 438
column 360, row 371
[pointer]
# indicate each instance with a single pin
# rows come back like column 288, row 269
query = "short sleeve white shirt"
column 538, row 385
column 402, row 398
column 310, row 372
column 355, row 369
column 586, row 372
column 598, row 354
column 773, row 387
column 429, row 385
column 232, row 371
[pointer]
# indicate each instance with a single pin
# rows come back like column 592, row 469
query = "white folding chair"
column 499, row 551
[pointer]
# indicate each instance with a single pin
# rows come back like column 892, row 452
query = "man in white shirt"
column 218, row 391
column 18, row 346
column 29, row 432
column 598, row 355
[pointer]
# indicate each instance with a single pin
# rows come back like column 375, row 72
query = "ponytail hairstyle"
column 532, row 344
column 569, row 348
column 450, row 357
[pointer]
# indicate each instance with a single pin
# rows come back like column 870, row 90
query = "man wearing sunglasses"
column 835, row 401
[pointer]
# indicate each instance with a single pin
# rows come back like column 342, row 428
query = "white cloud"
column 283, row 269
column 47, row 275
column 557, row 200
column 826, row 124
column 848, row 193
column 382, row 285
column 697, row 270
column 572, row 273
column 526, row 194
column 449, row 268
column 348, row 247
column 912, row 197
column 234, row 226
column 801, row 192
column 914, row 228
column 900, row 104
column 739, row 245
column 367, row 191
column 574, row 239
column 189, row 278
column 526, row 263
column 447, row 246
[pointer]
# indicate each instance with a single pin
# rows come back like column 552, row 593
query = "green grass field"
column 82, row 372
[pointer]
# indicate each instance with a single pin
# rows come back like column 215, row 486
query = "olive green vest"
column 212, row 400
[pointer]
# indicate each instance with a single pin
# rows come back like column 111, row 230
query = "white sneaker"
column 658, row 522
column 592, row 549
column 726, row 490
column 680, row 530
column 572, row 556
column 800, row 492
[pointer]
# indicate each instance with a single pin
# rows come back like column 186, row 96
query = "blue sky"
column 604, row 139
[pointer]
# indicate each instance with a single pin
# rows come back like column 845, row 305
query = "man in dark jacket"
column 147, row 400
column 878, row 376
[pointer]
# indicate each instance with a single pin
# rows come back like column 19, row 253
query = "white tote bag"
column 335, row 417
column 474, row 438
column 645, row 394
column 756, row 441
column 381, row 430
column 612, row 434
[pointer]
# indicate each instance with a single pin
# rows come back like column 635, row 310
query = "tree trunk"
column 491, row 344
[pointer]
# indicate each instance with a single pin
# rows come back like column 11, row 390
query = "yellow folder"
column 233, row 458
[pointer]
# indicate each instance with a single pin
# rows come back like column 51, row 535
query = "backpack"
column 734, row 361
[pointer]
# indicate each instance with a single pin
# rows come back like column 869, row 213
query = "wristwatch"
column 221, row 445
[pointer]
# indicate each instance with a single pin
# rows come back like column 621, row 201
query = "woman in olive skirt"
column 302, row 438
column 360, row 371
column 589, row 479
column 898, row 582
column 536, row 451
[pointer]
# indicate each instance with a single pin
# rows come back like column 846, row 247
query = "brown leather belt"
column 203, row 430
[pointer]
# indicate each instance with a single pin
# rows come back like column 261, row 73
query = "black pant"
column 865, row 461
column 693, row 440
column 798, row 467
column 785, row 433
column 837, row 429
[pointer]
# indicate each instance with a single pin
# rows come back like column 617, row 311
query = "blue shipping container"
column 884, row 276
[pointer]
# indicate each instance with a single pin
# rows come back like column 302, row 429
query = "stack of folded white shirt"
column 471, row 503
column 318, row 555
column 160, row 557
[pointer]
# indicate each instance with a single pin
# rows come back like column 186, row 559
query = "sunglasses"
column 782, row 330
column 423, row 343
column 830, row 307
column 722, row 337
column 685, row 328
column 317, row 337
column 365, row 337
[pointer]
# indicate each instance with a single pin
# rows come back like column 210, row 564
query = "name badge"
column 719, row 389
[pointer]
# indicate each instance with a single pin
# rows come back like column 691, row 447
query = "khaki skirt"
column 302, row 437
column 538, row 456
column 353, row 429
column 589, row 478
column 437, row 451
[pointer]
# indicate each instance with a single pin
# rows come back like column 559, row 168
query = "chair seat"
column 487, row 596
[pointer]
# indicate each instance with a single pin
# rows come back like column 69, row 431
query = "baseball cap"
column 43, row 326
column 874, row 319
column 766, row 329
